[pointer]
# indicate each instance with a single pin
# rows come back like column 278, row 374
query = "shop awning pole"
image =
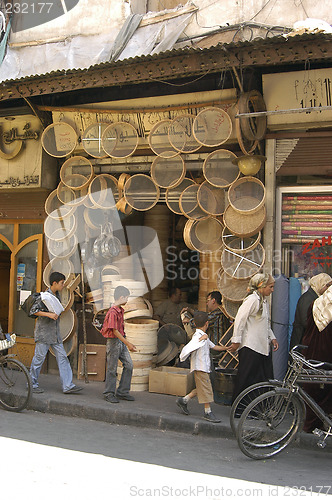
column 84, row 355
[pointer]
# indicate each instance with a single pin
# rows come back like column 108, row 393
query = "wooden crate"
column 96, row 362
column 24, row 349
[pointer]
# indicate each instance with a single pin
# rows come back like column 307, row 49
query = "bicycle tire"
column 244, row 399
column 15, row 385
column 269, row 424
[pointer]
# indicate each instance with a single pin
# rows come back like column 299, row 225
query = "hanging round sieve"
column 247, row 146
column 181, row 135
column 173, row 195
column 140, row 192
column 63, row 228
column 67, row 298
column 219, row 170
column 212, row 127
column 63, row 248
column 94, row 217
column 189, row 204
column 211, row 199
column 55, row 208
column 208, row 230
column 168, row 172
column 69, row 197
column 120, row 140
column 76, row 172
column 244, row 225
column 239, row 244
column 91, row 140
column 253, row 128
column 59, row 139
column 159, row 140
column 67, row 324
column 245, row 265
column 191, row 240
column 247, row 195
column 103, row 191
column 121, row 182
column 231, row 288
column 230, row 307
column 64, row 266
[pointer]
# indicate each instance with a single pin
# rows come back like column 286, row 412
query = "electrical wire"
column 179, row 84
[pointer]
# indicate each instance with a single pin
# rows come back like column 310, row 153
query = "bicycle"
column 15, row 381
column 272, row 419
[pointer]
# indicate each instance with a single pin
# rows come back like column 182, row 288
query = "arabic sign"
column 296, row 90
column 319, row 251
column 22, row 161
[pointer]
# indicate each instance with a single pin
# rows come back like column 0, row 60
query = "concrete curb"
column 152, row 419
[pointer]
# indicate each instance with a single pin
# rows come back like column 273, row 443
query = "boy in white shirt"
column 200, row 363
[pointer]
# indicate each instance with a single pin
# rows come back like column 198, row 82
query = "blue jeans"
column 117, row 350
column 41, row 350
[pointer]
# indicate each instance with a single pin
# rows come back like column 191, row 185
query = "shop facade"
column 90, row 188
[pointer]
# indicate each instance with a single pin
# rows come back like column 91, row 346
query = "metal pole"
column 84, row 355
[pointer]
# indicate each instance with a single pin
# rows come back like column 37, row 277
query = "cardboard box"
column 96, row 362
column 171, row 380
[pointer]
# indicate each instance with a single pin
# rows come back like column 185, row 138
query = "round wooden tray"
column 219, row 169
column 77, row 172
column 103, row 191
column 181, row 136
column 91, row 140
column 212, row 127
column 140, row 192
column 211, row 199
column 238, row 244
column 231, row 288
column 59, row 139
column 120, row 140
column 168, row 172
column 208, row 231
column 245, row 265
column 247, row 195
column 159, row 140
column 69, row 345
column 173, row 195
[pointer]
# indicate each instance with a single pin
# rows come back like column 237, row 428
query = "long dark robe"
column 319, row 348
column 253, row 367
column 301, row 316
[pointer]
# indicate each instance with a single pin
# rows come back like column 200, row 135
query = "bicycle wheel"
column 15, row 385
column 244, row 399
column 269, row 424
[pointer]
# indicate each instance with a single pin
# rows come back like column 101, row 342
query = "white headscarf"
column 322, row 309
column 319, row 281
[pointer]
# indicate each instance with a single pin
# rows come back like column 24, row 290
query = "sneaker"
column 110, row 398
column 73, row 390
column 183, row 405
column 37, row 390
column 126, row 397
column 211, row 418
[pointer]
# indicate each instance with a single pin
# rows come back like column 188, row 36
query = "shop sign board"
column 298, row 90
column 23, row 163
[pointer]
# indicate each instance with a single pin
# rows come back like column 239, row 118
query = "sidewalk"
column 149, row 410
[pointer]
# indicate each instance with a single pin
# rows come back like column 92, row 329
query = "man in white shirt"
column 200, row 363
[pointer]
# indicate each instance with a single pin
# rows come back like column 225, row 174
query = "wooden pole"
column 84, row 355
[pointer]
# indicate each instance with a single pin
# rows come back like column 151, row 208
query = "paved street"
column 47, row 450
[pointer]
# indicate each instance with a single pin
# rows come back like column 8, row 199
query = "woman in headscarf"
column 318, row 285
column 318, row 338
column 253, row 336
